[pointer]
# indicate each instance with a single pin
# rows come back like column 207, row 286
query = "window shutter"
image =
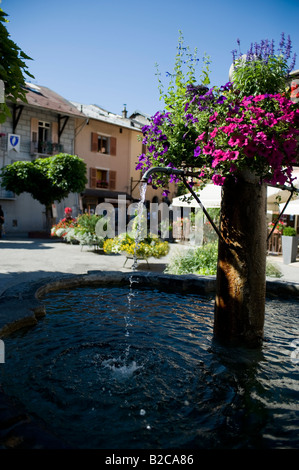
column 34, row 129
column 34, row 136
column 112, row 179
column 54, row 132
column 93, row 177
column 94, row 142
column 113, row 146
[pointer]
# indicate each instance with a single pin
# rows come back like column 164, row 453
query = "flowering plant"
column 61, row 229
column 256, row 132
column 261, row 69
column 149, row 246
column 220, row 132
column 279, row 226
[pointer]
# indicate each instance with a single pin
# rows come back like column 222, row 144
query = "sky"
column 105, row 52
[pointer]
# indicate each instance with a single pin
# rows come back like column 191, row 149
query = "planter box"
column 289, row 249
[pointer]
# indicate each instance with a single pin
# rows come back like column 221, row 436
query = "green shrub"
column 289, row 232
column 201, row 260
column 272, row 271
column 80, row 230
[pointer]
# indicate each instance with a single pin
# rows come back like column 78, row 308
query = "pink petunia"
column 213, row 117
column 208, row 148
column 214, row 132
column 218, row 180
column 201, row 137
column 229, row 129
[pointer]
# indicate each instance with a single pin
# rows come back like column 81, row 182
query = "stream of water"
column 140, row 210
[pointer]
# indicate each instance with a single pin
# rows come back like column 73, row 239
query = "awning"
column 292, row 207
column 276, row 196
column 210, row 196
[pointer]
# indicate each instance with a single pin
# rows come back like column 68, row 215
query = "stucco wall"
column 24, row 214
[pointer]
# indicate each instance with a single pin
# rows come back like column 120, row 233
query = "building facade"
column 46, row 125
column 110, row 145
column 42, row 127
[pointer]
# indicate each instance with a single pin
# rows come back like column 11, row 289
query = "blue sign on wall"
column 14, row 142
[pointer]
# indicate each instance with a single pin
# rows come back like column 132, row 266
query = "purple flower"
column 221, row 99
column 189, row 117
column 139, row 166
column 226, row 87
column 197, row 151
column 234, row 54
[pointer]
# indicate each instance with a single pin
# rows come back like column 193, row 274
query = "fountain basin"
column 154, row 376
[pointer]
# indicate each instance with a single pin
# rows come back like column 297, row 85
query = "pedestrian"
column 1, row 220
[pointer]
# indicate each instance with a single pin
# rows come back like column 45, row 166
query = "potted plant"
column 289, row 245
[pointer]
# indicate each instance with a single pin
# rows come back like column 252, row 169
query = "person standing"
column 1, row 220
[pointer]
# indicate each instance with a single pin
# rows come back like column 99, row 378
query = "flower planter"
column 289, row 249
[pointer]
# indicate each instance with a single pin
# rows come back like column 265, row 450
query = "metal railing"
column 46, row 148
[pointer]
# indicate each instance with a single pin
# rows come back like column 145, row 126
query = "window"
column 43, row 131
column 103, row 144
column 43, row 136
column 100, row 178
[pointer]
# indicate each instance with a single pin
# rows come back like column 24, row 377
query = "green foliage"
column 257, row 77
column 289, row 232
column 262, row 70
column 180, row 139
column 46, row 179
column 80, row 230
column 86, row 223
column 272, row 270
column 184, row 74
column 201, row 260
column 12, row 68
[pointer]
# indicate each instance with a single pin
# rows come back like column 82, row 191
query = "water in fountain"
column 120, row 367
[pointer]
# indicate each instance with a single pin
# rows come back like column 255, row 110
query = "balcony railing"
column 45, row 148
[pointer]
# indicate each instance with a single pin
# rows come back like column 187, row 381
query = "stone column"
column 241, row 271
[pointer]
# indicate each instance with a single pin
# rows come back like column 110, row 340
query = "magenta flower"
column 214, row 132
column 209, row 148
column 201, row 136
column 238, row 140
column 218, row 180
column 213, row 117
